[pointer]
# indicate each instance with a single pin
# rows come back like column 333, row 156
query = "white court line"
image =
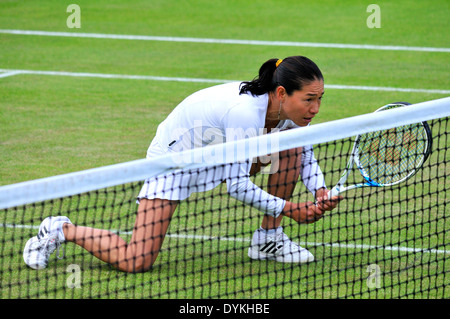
column 238, row 239
column 116, row 76
column 10, row 73
column 226, row 41
column 200, row 80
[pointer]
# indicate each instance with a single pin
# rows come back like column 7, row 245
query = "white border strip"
column 10, row 72
column 226, row 41
column 245, row 240
column 98, row 178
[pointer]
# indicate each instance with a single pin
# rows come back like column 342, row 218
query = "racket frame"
column 354, row 159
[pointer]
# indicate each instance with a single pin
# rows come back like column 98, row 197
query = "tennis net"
column 380, row 242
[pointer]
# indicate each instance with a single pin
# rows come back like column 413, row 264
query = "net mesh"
column 390, row 242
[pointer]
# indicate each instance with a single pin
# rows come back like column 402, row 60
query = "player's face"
column 302, row 105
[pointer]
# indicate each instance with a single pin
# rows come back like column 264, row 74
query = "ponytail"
column 292, row 73
column 264, row 82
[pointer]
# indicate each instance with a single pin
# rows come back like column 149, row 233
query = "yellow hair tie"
column 278, row 62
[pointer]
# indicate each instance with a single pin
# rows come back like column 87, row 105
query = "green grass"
column 52, row 125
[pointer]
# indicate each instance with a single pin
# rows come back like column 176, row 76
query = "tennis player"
column 286, row 94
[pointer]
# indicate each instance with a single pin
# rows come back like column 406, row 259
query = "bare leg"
column 152, row 221
column 282, row 183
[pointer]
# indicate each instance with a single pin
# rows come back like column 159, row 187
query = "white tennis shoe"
column 278, row 247
column 50, row 236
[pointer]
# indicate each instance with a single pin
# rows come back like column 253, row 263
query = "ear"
column 280, row 92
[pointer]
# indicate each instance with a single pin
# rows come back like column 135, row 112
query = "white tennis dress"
column 216, row 115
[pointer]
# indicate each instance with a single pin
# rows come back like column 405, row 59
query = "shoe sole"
column 259, row 255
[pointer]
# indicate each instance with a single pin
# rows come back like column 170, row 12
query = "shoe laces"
column 49, row 244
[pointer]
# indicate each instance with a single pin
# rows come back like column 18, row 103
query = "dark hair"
column 292, row 73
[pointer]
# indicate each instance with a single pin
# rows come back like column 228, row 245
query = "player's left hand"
column 325, row 203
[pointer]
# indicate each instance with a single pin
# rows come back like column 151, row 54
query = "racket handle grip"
column 334, row 192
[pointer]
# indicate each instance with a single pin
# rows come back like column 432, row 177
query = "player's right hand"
column 303, row 213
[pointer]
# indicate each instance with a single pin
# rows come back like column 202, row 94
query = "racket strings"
column 392, row 155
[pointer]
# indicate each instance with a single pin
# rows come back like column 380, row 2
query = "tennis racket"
column 387, row 157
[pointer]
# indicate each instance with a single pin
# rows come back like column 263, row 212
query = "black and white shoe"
column 278, row 247
column 38, row 249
